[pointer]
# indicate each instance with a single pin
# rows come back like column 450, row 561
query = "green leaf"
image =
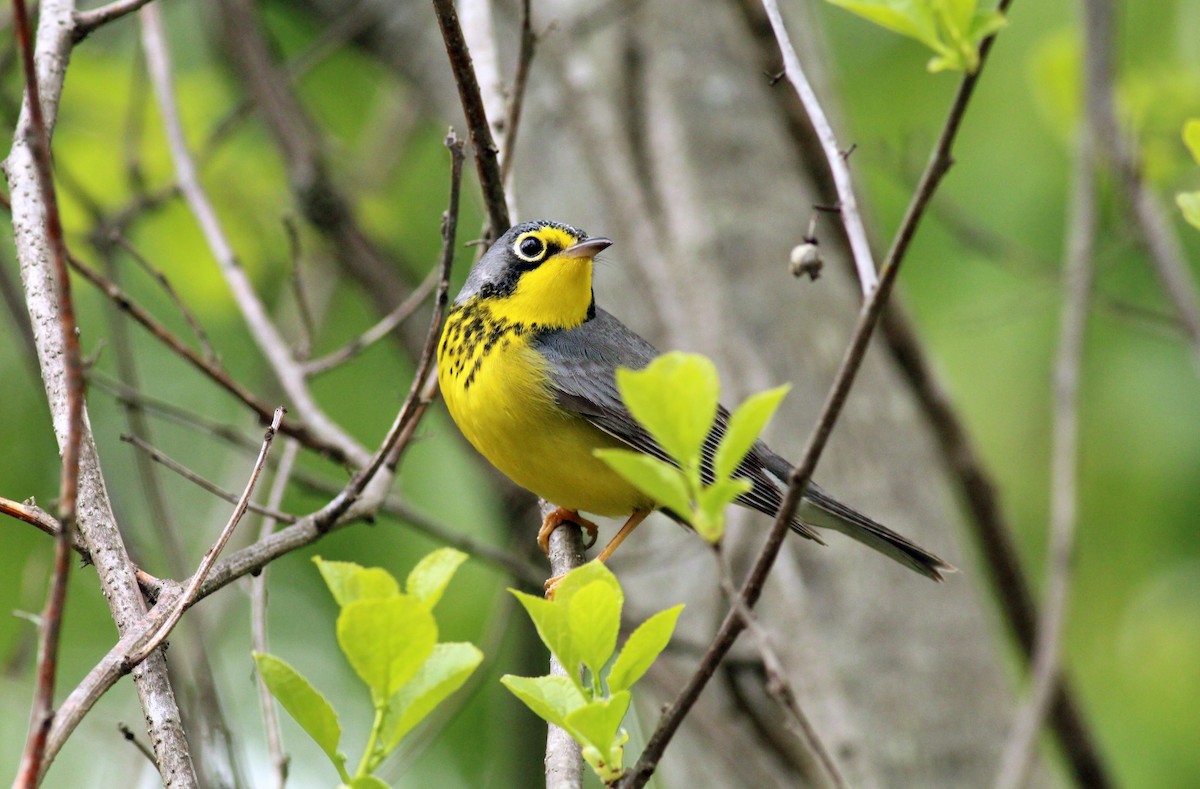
column 643, row 646
column 303, row 702
column 660, row 481
column 589, row 573
column 349, row 582
column 443, row 673
column 709, row 522
column 675, row 399
column 551, row 698
column 906, row 17
column 430, row 577
column 386, row 640
column 1189, row 204
column 594, row 616
column 746, row 424
column 550, row 619
column 1191, row 138
column 597, row 722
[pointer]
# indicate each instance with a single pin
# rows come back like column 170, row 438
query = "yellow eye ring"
column 529, row 248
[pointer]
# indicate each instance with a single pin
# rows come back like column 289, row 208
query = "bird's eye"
column 530, row 248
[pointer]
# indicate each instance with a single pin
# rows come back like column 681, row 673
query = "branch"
column 837, row 160
column 1078, row 275
column 479, row 132
column 798, row 479
column 266, row 336
column 516, row 98
column 967, row 468
column 86, row 22
column 564, row 756
column 96, row 520
column 68, row 486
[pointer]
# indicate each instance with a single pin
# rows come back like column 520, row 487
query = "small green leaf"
column 1189, row 204
column 430, row 577
column 386, row 640
column 596, row 723
column 594, row 615
column 443, row 673
column 551, row 698
column 303, row 702
column 1191, row 138
column 746, row 424
column 908, row 18
column 660, row 481
column 550, row 619
column 675, row 399
column 581, row 576
column 709, row 520
column 643, row 646
column 349, row 582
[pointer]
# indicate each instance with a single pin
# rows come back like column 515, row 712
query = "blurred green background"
column 982, row 279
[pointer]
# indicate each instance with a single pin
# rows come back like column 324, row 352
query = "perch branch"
column 564, row 756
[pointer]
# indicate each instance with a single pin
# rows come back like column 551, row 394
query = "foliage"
column 951, row 28
column 675, row 398
column 580, row 626
column 390, row 638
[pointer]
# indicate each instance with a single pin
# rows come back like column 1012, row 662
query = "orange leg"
column 634, row 520
column 557, row 518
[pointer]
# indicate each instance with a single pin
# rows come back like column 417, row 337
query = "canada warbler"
column 527, row 366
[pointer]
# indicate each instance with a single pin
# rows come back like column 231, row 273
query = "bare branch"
column 51, row 619
column 1078, row 275
column 210, row 556
column 516, row 96
column 403, row 311
column 86, row 22
column 777, row 681
column 864, row 262
column 258, row 621
column 159, row 457
column 265, row 334
column 477, row 123
column 798, row 479
column 564, row 756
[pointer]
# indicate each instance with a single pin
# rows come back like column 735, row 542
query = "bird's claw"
column 557, row 518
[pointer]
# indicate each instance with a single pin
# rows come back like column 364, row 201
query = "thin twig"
column 116, row 237
column 490, row 180
column 36, row 516
column 51, row 619
column 1077, row 276
column 798, row 479
column 516, row 97
column 258, row 620
column 304, row 347
column 212, row 369
column 132, row 738
column 777, row 681
column 864, row 261
column 403, row 311
column 264, row 332
column 210, row 556
column 967, row 468
column 86, row 22
column 564, row 756
column 159, row 457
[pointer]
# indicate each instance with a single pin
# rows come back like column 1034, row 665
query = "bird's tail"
column 819, row 509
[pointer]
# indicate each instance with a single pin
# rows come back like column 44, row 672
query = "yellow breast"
column 497, row 391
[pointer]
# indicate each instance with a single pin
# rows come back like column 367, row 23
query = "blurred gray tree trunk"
column 651, row 123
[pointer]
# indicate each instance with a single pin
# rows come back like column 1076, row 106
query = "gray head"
column 551, row 249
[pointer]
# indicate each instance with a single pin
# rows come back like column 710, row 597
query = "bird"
column 527, row 367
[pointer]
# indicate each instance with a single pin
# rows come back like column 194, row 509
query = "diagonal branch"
column 733, row 624
column 860, row 247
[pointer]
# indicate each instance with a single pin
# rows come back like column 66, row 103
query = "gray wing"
column 582, row 365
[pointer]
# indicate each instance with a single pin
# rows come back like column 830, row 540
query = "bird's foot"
column 557, row 518
column 552, row 584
